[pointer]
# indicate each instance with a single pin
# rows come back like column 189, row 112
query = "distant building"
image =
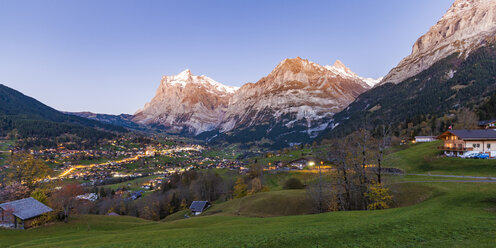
column 457, row 142
column 137, row 194
column 20, row 214
column 487, row 124
column 89, row 196
column 423, row 139
column 197, row 207
column 299, row 163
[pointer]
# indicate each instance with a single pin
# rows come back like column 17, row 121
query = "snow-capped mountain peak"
column 184, row 75
column 372, row 81
column 297, row 94
column 187, row 77
column 187, row 103
column 340, row 69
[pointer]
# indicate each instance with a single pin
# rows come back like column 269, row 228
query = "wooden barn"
column 20, row 214
column 197, row 207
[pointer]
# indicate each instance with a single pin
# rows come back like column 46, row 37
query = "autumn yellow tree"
column 378, row 196
column 240, row 188
column 27, row 169
column 41, row 195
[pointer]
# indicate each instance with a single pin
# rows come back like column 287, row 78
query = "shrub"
column 293, row 183
column 44, row 219
column 379, row 196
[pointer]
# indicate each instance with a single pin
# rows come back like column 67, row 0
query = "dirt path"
column 452, row 181
column 452, row 176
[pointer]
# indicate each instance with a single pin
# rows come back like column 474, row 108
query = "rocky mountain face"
column 451, row 67
column 298, row 96
column 187, row 103
column 296, row 93
column 467, row 26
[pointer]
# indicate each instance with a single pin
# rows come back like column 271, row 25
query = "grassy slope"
column 265, row 204
column 424, row 158
column 457, row 215
column 135, row 183
column 294, row 202
column 4, row 148
column 289, row 156
column 275, row 181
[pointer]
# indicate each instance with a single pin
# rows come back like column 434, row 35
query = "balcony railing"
column 455, row 149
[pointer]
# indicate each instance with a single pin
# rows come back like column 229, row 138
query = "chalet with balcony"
column 457, row 142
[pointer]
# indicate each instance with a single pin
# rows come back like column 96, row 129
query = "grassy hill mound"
column 295, row 202
column 265, row 204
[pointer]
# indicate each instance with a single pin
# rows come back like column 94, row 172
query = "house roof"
column 476, row 134
column 482, row 123
column 198, row 206
column 26, row 208
column 425, row 137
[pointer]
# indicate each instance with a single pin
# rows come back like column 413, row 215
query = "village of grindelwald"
column 220, row 123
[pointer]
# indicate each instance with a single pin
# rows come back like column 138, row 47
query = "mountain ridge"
column 25, row 117
column 297, row 92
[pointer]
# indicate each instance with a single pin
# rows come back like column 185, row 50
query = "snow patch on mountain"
column 185, row 77
column 297, row 92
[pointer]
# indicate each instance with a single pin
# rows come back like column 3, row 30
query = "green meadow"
column 454, row 215
column 428, row 212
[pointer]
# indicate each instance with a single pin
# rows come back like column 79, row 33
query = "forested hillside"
column 448, row 85
column 23, row 117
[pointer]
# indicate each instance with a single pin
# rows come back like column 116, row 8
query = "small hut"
column 197, row 207
column 20, row 214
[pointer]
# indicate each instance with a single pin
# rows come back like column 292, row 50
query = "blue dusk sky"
column 109, row 56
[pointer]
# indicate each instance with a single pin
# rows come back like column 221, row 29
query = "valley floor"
column 455, row 215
